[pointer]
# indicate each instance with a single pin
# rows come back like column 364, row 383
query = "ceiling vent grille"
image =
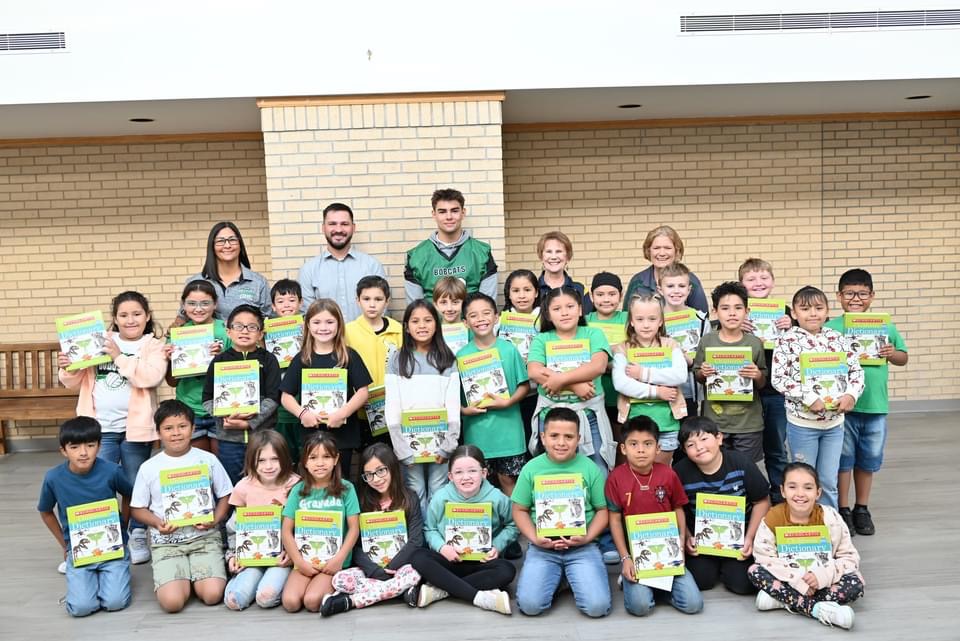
column 819, row 21
column 14, row 42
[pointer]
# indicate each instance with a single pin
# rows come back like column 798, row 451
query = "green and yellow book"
column 236, row 388
column 191, row 350
column 683, row 327
column 455, row 335
column 375, row 409
column 727, row 384
column 868, row 334
column 187, row 496
column 614, row 330
column 469, row 529
column 519, row 329
column 720, row 524
column 559, row 501
column 424, row 431
column 806, row 545
column 82, row 339
column 482, row 377
column 258, row 536
column 653, row 357
column 564, row 356
column 383, row 535
column 763, row 313
column 95, row 534
column 318, row 535
column 824, row 374
column 323, row 390
column 655, row 544
column 282, row 337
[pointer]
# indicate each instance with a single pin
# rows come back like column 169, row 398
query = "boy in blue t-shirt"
column 84, row 478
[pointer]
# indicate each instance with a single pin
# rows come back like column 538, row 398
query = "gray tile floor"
column 913, row 548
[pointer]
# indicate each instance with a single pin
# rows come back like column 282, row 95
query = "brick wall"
column 81, row 224
column 384, row 160
column 812, row 198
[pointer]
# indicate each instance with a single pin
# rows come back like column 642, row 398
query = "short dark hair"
column 337, row 207
column 286, row 286
column 446, row 194
column 856, row 277
column 82, row 429
column 561, row 414
column 172, row 407
column 373, row 282
column 729, row 288
column 694, row 425
column 245, row 309
column 640, row 424
column 807, row 295
column 474, row 297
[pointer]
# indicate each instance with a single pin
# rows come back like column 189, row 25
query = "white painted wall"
column 122, row 50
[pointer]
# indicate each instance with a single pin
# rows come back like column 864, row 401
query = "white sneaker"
column 139, row 548
column 767, row 602
column 834, row 614
column 493, row 600
column 62, row 568
column 429, row 594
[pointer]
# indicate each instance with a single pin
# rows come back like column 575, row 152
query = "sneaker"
column 62, row 568
column 766, row 602
column 139, row 548
column 513, row 552
column 429, row 594
column 834, row 614
column 493, row 600
column 847, row 517
column 611, row 557
column 862, row 522
column 334, row 604
column 412, row 595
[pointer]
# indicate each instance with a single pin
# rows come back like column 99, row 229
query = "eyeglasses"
column 198, row 304
column 852, row 295
column 223, row 242
column 474, row 471
column 239, row 327
column 380, row 472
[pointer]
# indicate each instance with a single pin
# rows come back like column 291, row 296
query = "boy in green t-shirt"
column 287, row 298
column 550, row 558
column 865, row 428
column 606, row 291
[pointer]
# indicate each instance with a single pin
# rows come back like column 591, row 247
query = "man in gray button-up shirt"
column 336, row 271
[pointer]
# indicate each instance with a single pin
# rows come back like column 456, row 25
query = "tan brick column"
column 384, row 156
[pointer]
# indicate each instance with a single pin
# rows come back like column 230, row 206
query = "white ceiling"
column 521, row 106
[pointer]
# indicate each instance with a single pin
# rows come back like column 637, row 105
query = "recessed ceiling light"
column 629, row 105
column 917, row 97
column 141, row 119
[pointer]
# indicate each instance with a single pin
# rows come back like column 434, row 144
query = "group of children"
column 583, row 419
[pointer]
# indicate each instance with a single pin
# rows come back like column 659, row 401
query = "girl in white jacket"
column 422, row 375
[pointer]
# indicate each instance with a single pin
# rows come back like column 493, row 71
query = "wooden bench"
column 29, row 387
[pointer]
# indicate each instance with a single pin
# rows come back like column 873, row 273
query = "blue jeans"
column 821, row 449
column 263, row 584
column 425, row 480
column 864, row 436
column 584, row 569
column 98, row 585
column 605, row 540
column 774, row 442
column 685, row 596
column 232, row 456
column 115, row 447
column 204, row 426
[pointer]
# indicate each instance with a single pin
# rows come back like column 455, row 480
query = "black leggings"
column 707, row 570
column 464, row 579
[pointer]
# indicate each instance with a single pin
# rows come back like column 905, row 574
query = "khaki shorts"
column 194, row 560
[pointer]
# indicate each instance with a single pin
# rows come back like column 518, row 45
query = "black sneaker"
column 412, row 596
column 335, row 604
column 862, row 522
column 847, row 517
column 513, row 552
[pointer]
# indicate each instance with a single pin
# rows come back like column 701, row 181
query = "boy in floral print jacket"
column 814, row 432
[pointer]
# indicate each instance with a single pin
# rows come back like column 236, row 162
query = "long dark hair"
column 152, row 327
column 335, row 487
column 369, row 498
column 546, row 325
column 514, row 275
column 439, row 355
column 210, row 269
